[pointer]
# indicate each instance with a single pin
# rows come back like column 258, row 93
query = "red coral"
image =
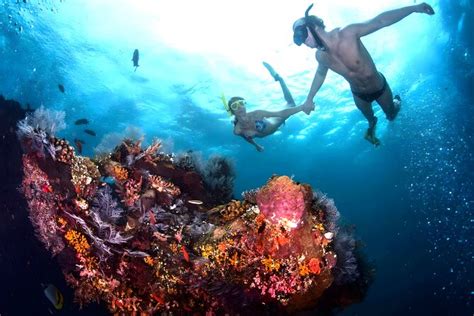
column 314, row 265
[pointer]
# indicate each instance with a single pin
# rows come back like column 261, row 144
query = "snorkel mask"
column 300, row 33
column 237, row 104
column 234, row 106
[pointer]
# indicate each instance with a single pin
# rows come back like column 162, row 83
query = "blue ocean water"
column 411, row 199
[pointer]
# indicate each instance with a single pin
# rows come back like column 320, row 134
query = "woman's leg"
column 286, row 92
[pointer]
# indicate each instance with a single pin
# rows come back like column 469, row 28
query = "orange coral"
column 77, row 241
column 119, row 173
column 149, row 260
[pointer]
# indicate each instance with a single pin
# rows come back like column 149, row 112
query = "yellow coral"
column 61, row 222
column 231, row 210
column 206, row 251
column 77, row 240
column 320, row 227
column 234, row 260
column 270, row 264
column 303, row 269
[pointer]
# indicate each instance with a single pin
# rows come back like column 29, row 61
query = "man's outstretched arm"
column 387, row 18
column 318, row 81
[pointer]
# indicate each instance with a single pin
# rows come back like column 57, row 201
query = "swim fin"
column 272, row 71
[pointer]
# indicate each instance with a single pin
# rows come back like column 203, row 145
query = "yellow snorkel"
column 226, row 106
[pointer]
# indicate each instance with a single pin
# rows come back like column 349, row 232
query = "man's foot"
column 370, row 133
column 370, row 136
column 272, row 71
column 397, row 103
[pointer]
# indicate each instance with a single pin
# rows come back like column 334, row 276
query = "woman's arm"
column 285, row 113
column 251, row 141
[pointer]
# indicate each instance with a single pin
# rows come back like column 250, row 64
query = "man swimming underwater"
column 260, row 123
column 342, row 51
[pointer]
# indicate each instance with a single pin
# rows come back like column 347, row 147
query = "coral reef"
column 145, row 234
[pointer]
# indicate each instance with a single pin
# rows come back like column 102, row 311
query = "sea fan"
column 103, row 250
column 218, row 177
column 189, row 161
column 346, row 270
column 332, row 215
column 37, row 128
column 106, row 207
column 36, row 140
column 47, row 120
column 105, row 214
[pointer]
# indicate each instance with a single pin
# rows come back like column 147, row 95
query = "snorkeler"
column 342, row 51
column 261, row 123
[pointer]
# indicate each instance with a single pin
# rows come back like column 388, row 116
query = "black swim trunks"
column 371, row 97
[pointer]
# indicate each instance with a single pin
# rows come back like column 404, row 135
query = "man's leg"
column 389, row 104
column 284, row 88
column 366, row 109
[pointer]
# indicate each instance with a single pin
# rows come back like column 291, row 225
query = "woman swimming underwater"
column 260, row 123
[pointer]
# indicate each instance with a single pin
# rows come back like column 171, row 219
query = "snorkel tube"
column 310, row 25
column 226, row 106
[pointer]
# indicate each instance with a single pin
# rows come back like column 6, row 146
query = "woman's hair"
column 232, row 100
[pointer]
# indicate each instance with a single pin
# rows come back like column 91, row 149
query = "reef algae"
column 137, row 243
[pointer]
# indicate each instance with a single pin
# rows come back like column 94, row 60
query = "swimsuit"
column 260, row 125
column 370, row 97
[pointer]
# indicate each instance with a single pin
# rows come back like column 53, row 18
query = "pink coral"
column 282, row 201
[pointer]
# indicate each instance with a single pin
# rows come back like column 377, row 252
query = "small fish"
column 61, row 88
column 90, row 132
column 185, row 253
column 158, row 299
column 46, row 188
column 195, row 202
column 107, row 180
column 135, row 58
column 54, row 296
column 81, row 121
column 262, row 228
column 78, row 144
